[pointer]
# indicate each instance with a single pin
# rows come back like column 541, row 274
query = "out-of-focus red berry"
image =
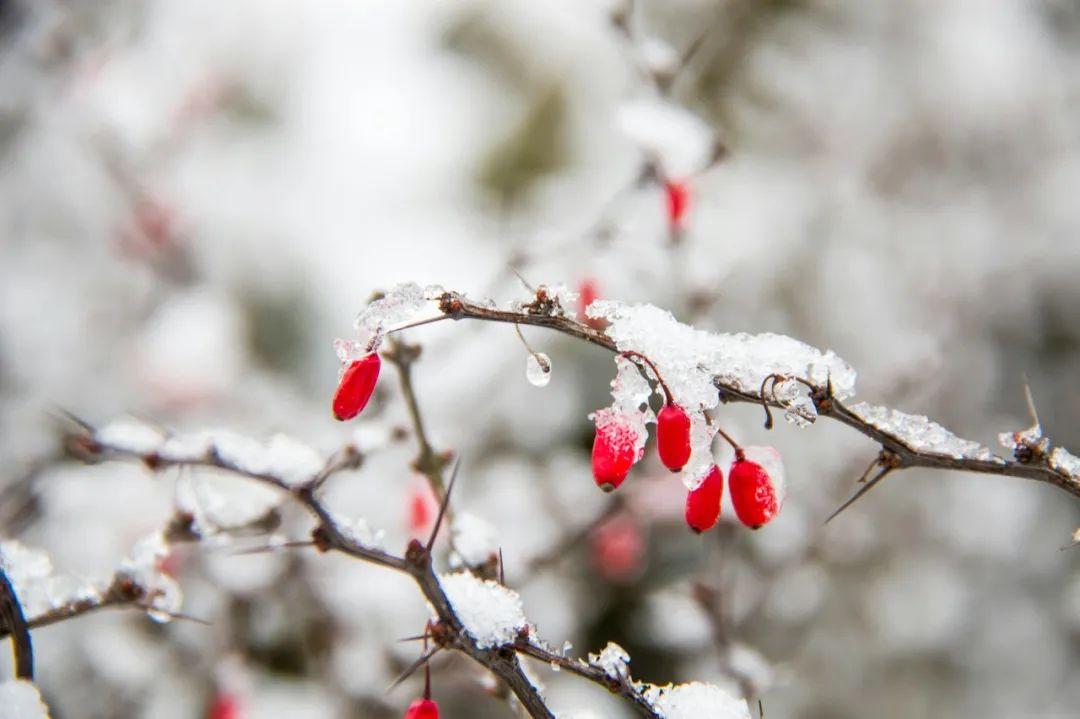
column 224, row 706
column 423, row 709
column 422, row 508
column 677, row 193
column 617, row 549
column 589, row 292
column 356, row 386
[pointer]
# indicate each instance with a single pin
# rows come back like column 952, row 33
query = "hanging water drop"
column 538, row 369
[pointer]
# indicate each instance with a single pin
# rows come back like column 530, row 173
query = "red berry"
column 673, row 436
column 356, row 386
column 422, row 508
column 755, row 495
column 614, row 449
column 617, row 549
column 678, row 202
column 703, row 503
column 224, row 706
column 423, row 709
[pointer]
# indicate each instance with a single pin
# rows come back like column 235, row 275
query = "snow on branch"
column 704, row 369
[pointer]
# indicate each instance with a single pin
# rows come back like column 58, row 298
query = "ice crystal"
column 613, row 659
column 696, row 701
column 921, row 434
column 538, row 369
column 475, row 540
column 162, row 594
column 490, row 613
column 770, row 460
column 701, row 457
column 691, row 359
column 400, row 304
column 623, row 430
column 20, row 699
column 40, row 590
column 1064, row 462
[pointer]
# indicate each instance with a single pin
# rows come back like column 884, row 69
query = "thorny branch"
column 447, row 630
column 1026, row 465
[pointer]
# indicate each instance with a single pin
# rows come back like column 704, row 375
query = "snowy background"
column 196, row 198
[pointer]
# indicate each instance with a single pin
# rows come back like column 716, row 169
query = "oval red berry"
column 356, row 386
column 703, row 503
column 754, row 496
column 673, row 436
column 678, row 202
column 423, row 709
column 614, row 450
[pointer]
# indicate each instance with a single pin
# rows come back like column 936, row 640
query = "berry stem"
column 778, row 378
column 740, row 455
column 527, row 345
column 631, row 354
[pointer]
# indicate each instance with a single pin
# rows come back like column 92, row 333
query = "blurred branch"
column 448, row 630
column 14, row 623
column 544, row 312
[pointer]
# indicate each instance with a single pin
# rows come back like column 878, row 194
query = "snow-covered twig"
column 903, row 438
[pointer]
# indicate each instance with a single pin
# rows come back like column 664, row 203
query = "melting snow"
column 1062, row 461
column 491, row 613
column 400, row 304
column 922, row 434
column 613, row 659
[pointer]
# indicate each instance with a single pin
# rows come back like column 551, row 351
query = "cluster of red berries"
column 754, row 495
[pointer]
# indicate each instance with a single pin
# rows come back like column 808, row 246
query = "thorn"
column 272, row 547
column 862, row 490
column 70, row 417
column 875, row 463
column 421, row 661
column 1030, row 403
column 445, row 503
column 176, row 615
column 523, row 281
column 760, row 709
column 502, row 570
column 414, row 638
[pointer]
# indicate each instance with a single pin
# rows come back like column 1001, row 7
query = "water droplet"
column 538, row 369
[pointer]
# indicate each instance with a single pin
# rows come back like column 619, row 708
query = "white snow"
column 490, row 613
column 40, row 590
column 19, row 699
column 475, row 540
column 696, row 701
column 613, row 659
column 130, row 435
column 690, row 359
column 1061, row 460
column 359, row 531
column 679, row 139
column 163, row 596
column 221, row 502
column 921, row 434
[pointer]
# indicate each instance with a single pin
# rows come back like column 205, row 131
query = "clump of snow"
column 359, row 531
column 224, row 503
column 1061, row 460
column 144, row 567
column 613, row 659
column 282, row 457
column 691, row 359
column 20, row 699
column 40, row 590
column 400, row 304
column 696, row 701
column 681, row 141
column 658, row 57
column 130, row 435
column 921, row 434
column 475, row 540
column 490, row 613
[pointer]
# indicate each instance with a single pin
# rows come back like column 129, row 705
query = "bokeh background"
column 197, row 197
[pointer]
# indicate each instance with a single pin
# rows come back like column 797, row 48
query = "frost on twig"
column 920, row 434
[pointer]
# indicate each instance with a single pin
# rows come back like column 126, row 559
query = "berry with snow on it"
column 673, row 436
column 224, row 706
column 423, row 709
column 357, row 384
column 703, row 503
column 756, row 493
column 614, row 450
column 677, row 193
column 617, row 549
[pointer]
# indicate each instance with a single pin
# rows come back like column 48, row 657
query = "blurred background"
column 196, row 198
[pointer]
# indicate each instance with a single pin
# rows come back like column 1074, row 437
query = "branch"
column 542, row 313
column 14, row 623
